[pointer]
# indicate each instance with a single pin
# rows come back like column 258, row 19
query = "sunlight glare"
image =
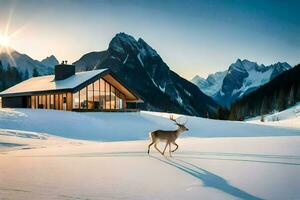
column 4, row 40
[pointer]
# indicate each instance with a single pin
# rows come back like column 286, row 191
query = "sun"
column 4, row 40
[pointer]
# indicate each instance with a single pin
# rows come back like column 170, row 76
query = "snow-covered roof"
column 47, row 83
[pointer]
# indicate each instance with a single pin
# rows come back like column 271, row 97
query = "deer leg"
column 150, row 146
column 167, row 143
column 155, row 146
column 176, row 146
column 170, row 149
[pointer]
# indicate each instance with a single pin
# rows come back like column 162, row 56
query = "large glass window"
column 48, row 101
column 40, row 104
column 112, row 97
column 52, row 101
column 82, row 98
column 107, row 96
column 44, row 101
column 60, row 101
column 36, row 101
column 76, row 100
column 90, row 95
column 33, row 104
column 97, row 95
column 117, row 99
column 122, row 101
column 64, row 101
column 102, row 94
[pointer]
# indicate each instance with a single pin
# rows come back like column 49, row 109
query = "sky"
column 192, row 37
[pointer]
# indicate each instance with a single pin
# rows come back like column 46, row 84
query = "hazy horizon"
column 203, row 37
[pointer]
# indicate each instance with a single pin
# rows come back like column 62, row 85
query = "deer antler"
column 175, row 120
column 172, row 119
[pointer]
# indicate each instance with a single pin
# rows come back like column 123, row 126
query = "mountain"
column 50, row 61
column 279, row 94
column 22, row 62
column 143, row 70
column 90, row 61
column 241, row 78
column 212, row 84
column 16, row 67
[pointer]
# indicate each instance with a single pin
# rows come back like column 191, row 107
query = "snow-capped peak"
column 122, row 42
column 242, row 77
column 212, row 84
column 50, row 61
column 12, row 58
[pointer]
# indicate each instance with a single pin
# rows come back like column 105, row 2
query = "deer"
column 168, row 136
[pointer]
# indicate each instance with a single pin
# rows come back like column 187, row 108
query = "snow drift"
column 103, row 126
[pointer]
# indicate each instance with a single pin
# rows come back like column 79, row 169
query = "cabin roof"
column 46, row 83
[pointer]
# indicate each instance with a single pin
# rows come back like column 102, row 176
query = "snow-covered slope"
column 286, row 118
column 124, row 126
column 241, row 78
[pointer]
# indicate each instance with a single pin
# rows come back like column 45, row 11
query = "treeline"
column 279, row 94
column 11, row 76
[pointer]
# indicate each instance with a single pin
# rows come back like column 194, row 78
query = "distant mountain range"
column 22, row 62
column 280, row 93
column 241, row 78
column 143, row 70
column 50, row 61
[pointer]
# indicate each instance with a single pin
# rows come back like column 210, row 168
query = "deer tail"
column 151, row 135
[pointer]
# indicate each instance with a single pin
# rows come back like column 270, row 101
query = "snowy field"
column 48, row 154
column 107, row 126
column 289, row 118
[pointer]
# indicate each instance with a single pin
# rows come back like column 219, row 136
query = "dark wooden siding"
column 14, row 102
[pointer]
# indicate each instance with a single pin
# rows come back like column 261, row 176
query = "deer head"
column 181, row 126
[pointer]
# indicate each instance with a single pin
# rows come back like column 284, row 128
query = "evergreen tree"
column 26, row 75
column 35, row 73
column 264, row 108
column 281, row 100
column 275, row 102
column 8, row 77
column 233, row 113
column 262, row 118
column 222, row 113
column 13, row 76
column 291, row 98
column 297, row 93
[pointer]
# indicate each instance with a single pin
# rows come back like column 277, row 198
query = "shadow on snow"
column 209, row 179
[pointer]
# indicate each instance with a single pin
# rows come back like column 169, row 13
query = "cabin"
column 97, row 90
